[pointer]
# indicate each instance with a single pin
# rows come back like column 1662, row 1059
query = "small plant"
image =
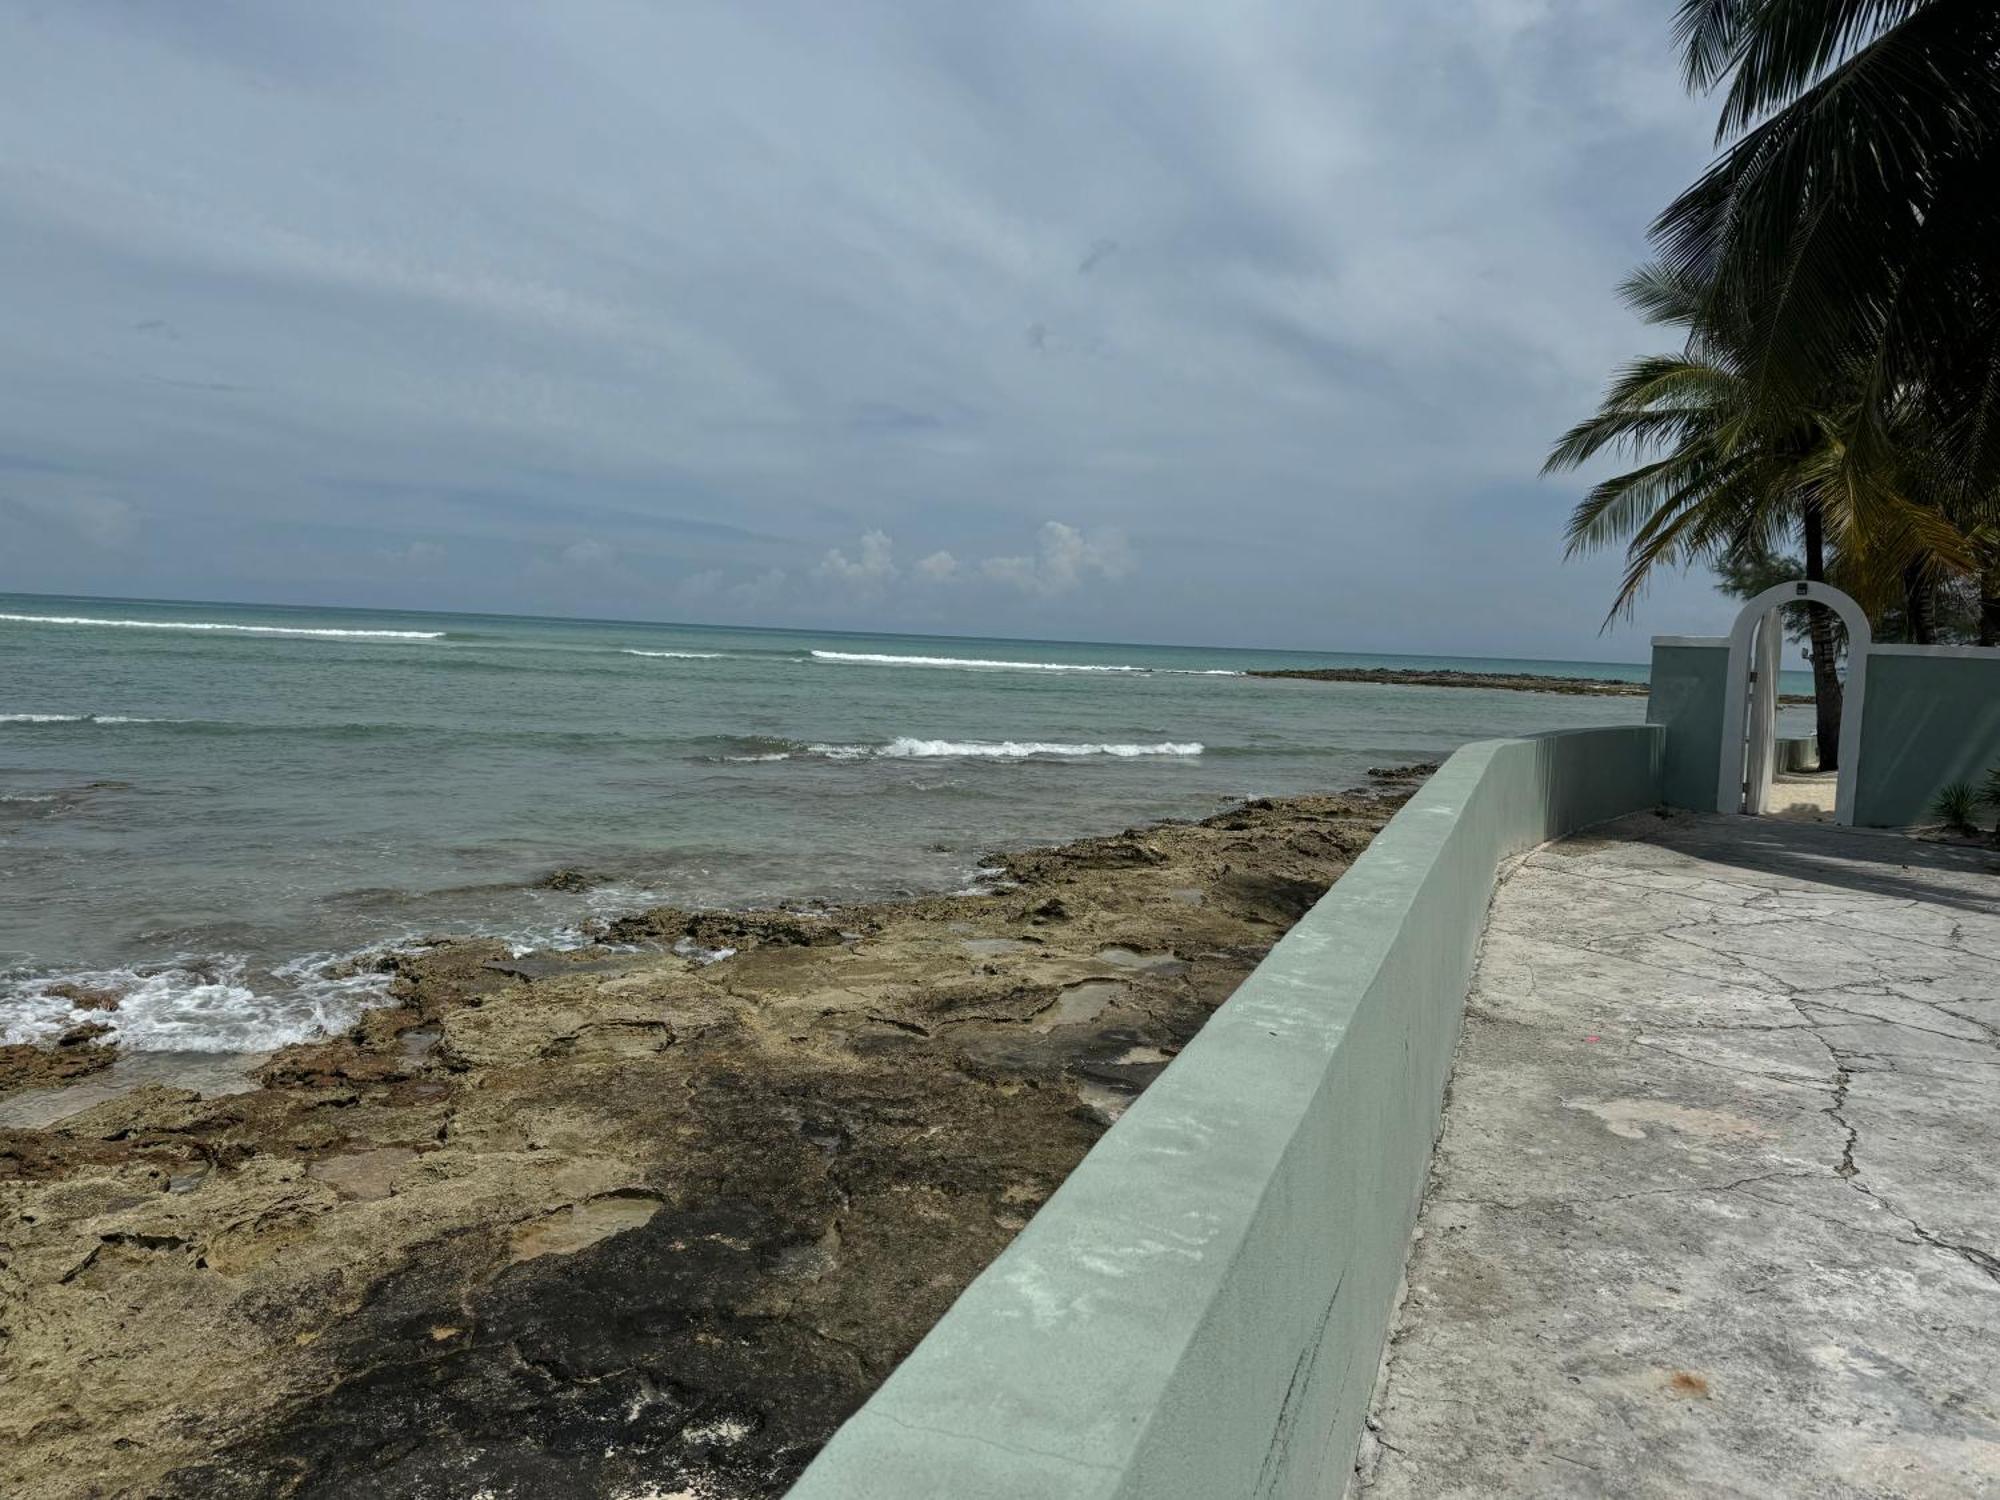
column 1956, row 805
column 1990, row 795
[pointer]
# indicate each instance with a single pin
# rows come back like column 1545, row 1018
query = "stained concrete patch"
column 1635, row 1119
column 1716, row 1209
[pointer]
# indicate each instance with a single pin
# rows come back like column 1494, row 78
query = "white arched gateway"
column 1749, row 711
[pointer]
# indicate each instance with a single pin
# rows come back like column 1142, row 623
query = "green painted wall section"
column 1689, row 684
column 1927, row 720
column 1199, row 1311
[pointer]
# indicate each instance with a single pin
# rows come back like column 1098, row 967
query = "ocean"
column 210, row 809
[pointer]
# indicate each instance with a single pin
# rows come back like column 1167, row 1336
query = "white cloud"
column 1303, row 290
column 1064, row 558
column 867, row 573
column 417, row 554
column 589, row 553
column 108, row 523
column 96, row 519
column 762, row 591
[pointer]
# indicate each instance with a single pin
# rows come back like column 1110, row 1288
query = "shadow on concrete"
column 1875, row 861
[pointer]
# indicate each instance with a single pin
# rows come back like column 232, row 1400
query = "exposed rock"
column 1517, row 682
column 572, row 879
column 24, row 1066
column 611, row 1223
column 86, row 996
column 1395, row 774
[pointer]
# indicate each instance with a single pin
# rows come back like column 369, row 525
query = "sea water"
column 210, row 809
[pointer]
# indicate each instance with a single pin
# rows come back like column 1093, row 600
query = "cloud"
column 761, row 592
column 419, row 554
column 104, row 522
column 939, row 567
column 98, row 520
column 867, row 573
column 1065, row 557
column 1292, row 295
column 589, row 553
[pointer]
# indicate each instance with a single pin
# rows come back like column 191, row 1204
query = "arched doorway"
column 1749, row 712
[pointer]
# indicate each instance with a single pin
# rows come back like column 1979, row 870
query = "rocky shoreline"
column 1514, row 682
column 645, row 1219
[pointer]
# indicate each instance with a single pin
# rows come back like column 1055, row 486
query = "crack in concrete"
column 1597, row 1198
column 1798, row 968
column 1787, row 1079
column 1849, row 1168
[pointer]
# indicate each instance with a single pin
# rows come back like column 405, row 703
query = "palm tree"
column 1720, row 471
column 1851, row 222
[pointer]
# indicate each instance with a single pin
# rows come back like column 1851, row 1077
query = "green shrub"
column 1955, row 806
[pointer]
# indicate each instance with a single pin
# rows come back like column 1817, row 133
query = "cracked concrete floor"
column 1716, row 1209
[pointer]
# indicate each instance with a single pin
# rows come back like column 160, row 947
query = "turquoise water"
column 205, row 806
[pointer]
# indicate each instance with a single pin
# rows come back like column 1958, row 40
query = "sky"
column 1241, row 324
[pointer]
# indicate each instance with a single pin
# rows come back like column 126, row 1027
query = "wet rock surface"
column 623, row 1221
column 76, row 1054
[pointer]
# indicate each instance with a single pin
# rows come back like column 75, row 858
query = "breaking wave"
column 192, row 1005
column 230, row 628
column 79, row 719
column 976, row 663
column 915, row 749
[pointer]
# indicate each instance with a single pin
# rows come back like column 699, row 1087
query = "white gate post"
column 1737, row 711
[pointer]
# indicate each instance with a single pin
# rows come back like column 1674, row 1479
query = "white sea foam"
column 79, row 719
column 677, row 655
column 877, row 659
column 230, row 628
column 915, row 749
column 689, row 948
column 751, row 760
column 194, row 1005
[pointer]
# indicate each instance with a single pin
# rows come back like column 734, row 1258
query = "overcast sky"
column 1240, row 323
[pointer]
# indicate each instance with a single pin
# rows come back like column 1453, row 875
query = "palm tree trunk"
column 1825, row 654
column 1919, row 617
column 1989, row 597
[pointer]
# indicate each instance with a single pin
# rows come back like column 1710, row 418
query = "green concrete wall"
column 1928, row 719
column 1689, row 683
column 1199, row 1311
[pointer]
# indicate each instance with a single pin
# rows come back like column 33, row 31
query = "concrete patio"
column 1716, row 1209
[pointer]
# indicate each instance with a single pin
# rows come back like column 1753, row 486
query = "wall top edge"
column 1959, row 653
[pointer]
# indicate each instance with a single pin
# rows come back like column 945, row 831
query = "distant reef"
column 1517, row 682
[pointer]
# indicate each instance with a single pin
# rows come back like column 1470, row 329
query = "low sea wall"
column 1198, row 1312
column 1932, row 718
column 1690, row 680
